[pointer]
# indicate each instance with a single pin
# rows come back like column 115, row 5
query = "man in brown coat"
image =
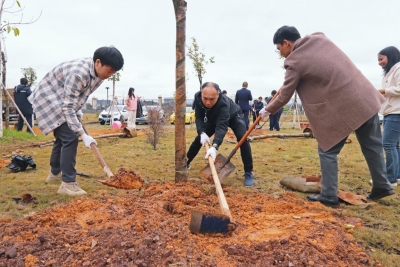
column 338, row 100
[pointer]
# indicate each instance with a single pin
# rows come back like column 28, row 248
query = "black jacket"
column 259, row 106
column 21, row 93
column 218, row 116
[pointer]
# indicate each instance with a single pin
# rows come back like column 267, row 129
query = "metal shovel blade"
column 222, row 172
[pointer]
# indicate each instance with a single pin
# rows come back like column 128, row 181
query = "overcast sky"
column 238, row 33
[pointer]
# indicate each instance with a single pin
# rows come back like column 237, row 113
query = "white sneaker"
column 71, row 189
column 54, row 178
column 392, row 184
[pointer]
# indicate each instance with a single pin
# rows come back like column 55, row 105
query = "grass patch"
column 272, row 158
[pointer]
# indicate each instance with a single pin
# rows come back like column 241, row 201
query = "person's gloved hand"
column 204, row 138
column 87, row 140
column 79, row 113
column 211, row 152
column 264, row 113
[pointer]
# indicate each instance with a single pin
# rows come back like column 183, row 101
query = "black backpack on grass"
column 20, row 163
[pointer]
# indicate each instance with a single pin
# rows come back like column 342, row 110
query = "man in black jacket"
column 214, row 114
column 21, row 93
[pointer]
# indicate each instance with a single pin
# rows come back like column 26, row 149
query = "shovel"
column 223, row 165
column 103, row 164
column 208, row 223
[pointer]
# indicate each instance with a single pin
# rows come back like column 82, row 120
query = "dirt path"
column 151, row 229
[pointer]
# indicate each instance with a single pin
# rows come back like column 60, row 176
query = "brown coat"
column 336, row 96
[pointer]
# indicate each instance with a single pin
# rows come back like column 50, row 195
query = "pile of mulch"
column 150, row 228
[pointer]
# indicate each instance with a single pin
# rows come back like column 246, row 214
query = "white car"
column 120, row 114
column 144, row 118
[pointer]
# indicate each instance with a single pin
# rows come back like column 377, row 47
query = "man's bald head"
column 209, row 94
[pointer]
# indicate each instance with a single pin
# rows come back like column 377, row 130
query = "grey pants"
column 370, row 138
column 63, row 155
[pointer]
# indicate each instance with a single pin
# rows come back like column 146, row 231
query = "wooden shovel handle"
column 103, row 164
column 247, row 133
column 221, row 197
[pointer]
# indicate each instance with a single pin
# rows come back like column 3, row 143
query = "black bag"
column 20, row 163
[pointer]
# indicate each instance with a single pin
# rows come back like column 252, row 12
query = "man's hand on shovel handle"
column 204, row 138
column 211, row 152
column 264, row 113
column 87, row 140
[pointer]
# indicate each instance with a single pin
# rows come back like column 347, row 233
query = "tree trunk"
column 181, row 172
column 3, row 80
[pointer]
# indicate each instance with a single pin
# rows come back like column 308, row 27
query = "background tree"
column 181, row 172
column 199, row 60
column 7, row 26
column 30, row 75
column 156, row 128
column 115, row 78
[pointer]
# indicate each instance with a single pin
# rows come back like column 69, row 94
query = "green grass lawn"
column 273, row 159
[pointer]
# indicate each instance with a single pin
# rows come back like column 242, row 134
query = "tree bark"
column 181, row 172
column 3, row 80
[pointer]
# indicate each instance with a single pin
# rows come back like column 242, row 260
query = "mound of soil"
column 152, row 230
column 4, row 162
column 124, row 179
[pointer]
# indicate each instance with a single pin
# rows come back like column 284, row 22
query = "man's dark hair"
column 245, row 84
column 273, row 92
column 289, row 33
column 393, row 56
column 109, row 55
column 224, row 92
column 23, row 81
column 216, row 86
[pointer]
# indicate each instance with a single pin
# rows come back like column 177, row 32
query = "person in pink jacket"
column 131, row 102
column 338, row 99
column 389, row 60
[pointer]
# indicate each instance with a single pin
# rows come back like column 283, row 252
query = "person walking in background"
column 333, row 93
column 131, row 102
column 214, row 114
column 258, row 107
column 21, row 93
column 253, row 111
column 274, row 118
column 242, row 98
column 57, row 102
column 389, row 60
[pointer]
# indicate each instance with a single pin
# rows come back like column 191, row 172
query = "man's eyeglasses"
column 277, row 51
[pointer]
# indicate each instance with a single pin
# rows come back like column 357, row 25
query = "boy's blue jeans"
column 390, row 141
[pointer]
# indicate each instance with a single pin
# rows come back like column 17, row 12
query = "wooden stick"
column 221, row 197
column 19, row 111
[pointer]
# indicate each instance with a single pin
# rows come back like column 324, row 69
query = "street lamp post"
column 107, row 95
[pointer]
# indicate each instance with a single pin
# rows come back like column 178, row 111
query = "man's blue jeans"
column 390, row 141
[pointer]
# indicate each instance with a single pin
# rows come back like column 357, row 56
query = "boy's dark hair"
column 109, row 55
column 23, row 81
column 289, row 33
column 216, row 86
column 393, row 56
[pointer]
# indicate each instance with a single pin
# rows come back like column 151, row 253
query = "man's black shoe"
column 378, row 193
column 327, row 201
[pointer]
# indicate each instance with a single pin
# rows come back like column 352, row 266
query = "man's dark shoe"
column 378, row 193
column 327, row 201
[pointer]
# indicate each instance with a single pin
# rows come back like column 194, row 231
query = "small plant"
column 156, row 128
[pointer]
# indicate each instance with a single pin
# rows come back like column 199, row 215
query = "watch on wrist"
column 215, row 146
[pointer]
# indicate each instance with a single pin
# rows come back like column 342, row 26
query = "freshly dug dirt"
column 124, row 179
column 4, row 162
column 152, row 230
